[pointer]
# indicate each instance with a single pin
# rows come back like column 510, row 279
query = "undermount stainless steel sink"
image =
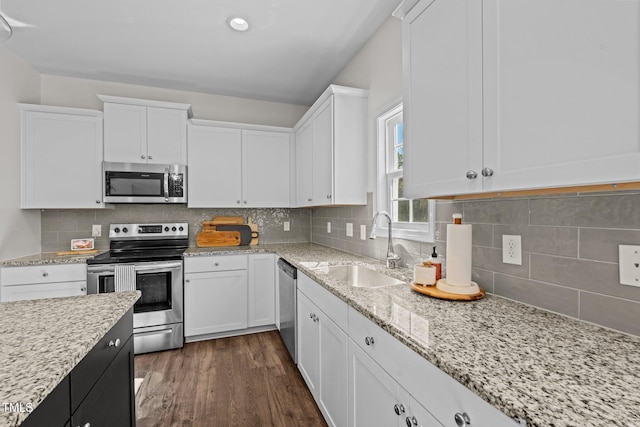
column 360, row 276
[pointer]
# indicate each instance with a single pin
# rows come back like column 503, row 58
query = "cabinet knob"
column 98, row 202
column 115, row 343
column 309, row 199
column 411, row 421
column 187, row 281
column 86, row 425
column 216, row 264
column 150, row 158
column 238, row 201
column 487, row 172
column 368, row 340
column 398, row 408
column 83, row 289
column 462, row 419
column 45, row 274
column 328, row 196
column 142, row 157
column 244, row 201
column 472, row 174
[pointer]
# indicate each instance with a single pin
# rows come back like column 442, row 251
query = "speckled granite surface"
column 41, row 341
column 547, row 369
column 46, row 258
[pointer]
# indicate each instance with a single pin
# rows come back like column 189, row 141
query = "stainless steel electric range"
column 146, row 257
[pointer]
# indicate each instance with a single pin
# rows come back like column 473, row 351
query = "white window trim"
column 402, row 230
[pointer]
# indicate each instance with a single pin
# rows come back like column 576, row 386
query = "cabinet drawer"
column 43, row 274
column 215, row 263
column 87, row 372
column 330, row 304
column 441, row 394
column 42, row 290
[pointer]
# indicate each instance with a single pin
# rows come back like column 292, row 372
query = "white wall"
column 378, row 68
column 81, row 93
column 19, row 229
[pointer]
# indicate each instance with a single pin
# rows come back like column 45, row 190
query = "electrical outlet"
column 363, row 232
column 329, row 227
column 629, row 258
column 349, row 229
column 287, row 226
column 511, row 249
column 96, row 230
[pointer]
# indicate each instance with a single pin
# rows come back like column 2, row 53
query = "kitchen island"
column 42, row 341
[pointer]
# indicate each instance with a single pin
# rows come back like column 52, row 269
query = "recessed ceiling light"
column 238, row 24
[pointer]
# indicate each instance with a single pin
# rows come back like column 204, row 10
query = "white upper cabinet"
column 140, row 131
column 519, row 94
column 331, row 150
column 238, row 165
column 61, row 157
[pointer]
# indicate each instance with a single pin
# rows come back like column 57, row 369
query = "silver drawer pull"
column 368, row 340
column 398, row 408
column 115, row 343
column 462, row 419
column 45, row 274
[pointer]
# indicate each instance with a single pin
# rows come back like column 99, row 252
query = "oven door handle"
column 159, row 267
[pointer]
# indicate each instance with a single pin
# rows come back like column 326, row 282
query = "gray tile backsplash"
column 60, row 226
column 570, row 249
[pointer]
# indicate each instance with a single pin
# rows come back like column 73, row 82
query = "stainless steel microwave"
column 144, row 183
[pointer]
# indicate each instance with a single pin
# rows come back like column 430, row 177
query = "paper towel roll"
column 459, row 254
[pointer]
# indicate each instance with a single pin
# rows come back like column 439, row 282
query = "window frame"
column 385, row 124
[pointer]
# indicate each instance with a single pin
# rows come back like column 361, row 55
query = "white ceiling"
column 291, row 53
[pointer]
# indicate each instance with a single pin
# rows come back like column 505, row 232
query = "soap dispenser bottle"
column 436, row 260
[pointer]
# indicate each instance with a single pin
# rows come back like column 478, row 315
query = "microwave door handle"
column 166, row 184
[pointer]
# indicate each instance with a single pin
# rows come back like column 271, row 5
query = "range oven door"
column 161, row 286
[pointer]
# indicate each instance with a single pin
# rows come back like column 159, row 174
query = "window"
column 412, row 218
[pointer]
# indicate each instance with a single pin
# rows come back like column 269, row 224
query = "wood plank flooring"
column 248, row 380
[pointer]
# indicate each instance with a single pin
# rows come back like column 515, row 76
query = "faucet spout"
column 392, row 258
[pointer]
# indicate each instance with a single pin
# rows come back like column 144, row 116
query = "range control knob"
column 166, row 229
column 116, row 230
column 181, row 228
column 173, row 229
column 125, row 229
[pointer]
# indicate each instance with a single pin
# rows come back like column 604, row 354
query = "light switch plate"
column 96, row 230
column 349, row 229
column 329, row 227
column 363, row 232
column 287, row 226
column 512, row 249
column 629, row 259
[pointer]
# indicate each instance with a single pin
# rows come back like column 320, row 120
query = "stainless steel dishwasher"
column 287, row 279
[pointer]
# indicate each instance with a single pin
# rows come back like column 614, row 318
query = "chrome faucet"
column 392, row 258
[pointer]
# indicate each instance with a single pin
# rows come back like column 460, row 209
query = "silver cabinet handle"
column 411, row 421
column 462, row 419
column 238, row 201
column 368, row 340
column 142, row 157
column 187, row 281
column 328, row 196
column 244, row 201
column 309, row 199
column 98, row 202
column 486, row 172
column 150, row 158
column 398, row 408
column 115, row 343
column 45, row 274
column 472, row 174
column 86, row 425
column 83, row 289
column 216, row 264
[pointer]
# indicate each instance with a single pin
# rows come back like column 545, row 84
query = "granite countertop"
column 545, row 368
column 41, row 341
column 47, row 258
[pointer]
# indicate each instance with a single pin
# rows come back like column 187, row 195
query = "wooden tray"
column 88, row 251
column 207, row 239
column 434, row 292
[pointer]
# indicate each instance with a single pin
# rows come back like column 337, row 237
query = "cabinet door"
column 214, row 167
column 323, row 153
column 215, row 302
column 304, row 165
column 308, row 343
column 334, row 367
column 372, row 392
column 125, row 133
column 442, row 98
column 166, row 136
column 42, row 290
column 562, row 94
column 265, row 169
column 111, row 401
column 262, row 290
column 61, row 161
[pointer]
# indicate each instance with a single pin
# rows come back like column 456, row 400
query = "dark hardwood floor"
column 248, row 380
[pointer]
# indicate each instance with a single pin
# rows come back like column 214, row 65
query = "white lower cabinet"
column 226, row 294
column 375, row 398
column 322, row 349
column 42, row 281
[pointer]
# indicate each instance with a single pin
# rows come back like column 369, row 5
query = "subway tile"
column 484, row 279
column 491, row 259
column 615, row 211
column 445, row 210
column 550, row 297
column 561, row 241
column 482, row 234
column 602, row 244
column 614, row 313
column 592, row 276
column 497, row 212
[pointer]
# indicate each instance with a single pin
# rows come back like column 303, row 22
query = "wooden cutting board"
column 207, row 239
column 89, row 251
column 433, row 291
column 222, row 220
column 254, row 229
